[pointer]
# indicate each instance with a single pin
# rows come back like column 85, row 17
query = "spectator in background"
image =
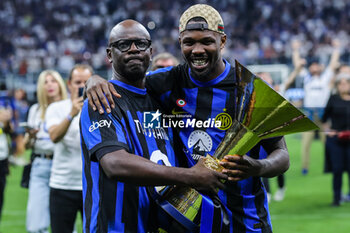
column 38, row 29
column 21, row 106
column 344, row 69
column 7, row 101
column 164, row 60
column 336, row 121
column 317, row 82
column 5, row 129
column 295, row 95
column 62, row 122
column 50, row 88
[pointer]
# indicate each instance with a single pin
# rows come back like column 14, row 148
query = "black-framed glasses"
column 125, row 44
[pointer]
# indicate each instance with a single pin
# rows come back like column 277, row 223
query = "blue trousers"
column 38, row 210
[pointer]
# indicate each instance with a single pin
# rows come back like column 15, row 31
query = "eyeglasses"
column 125, row 44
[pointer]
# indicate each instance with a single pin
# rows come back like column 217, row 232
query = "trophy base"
column 182, row 204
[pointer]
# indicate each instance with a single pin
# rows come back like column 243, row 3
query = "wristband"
column 69, row 117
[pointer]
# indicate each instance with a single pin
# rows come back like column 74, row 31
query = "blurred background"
column 263, row 34
column 38, row 34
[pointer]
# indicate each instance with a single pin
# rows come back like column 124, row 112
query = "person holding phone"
column 50, row 88
column 62, row 122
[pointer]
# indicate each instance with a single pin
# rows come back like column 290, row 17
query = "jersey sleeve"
column 159, row 83
column 102, row 134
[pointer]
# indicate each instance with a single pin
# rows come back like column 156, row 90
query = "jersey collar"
column 129, row 87
column 213, row 81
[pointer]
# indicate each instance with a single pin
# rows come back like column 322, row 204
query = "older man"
column 122, row 155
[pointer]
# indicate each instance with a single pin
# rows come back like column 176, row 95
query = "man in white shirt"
column 62, row 119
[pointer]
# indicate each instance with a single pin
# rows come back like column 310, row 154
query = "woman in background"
column 50, row 88
column 337, row 143
column 5, row 130
column 21, row 110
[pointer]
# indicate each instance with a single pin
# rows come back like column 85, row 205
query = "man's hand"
column 32, row 133
column 206, row 180
column 100, row 90
column 296, row 45
column 328, row 131
column 300, row 64
column 240, row 167
column 336, row 43
column 77, row 103
column 29, row 137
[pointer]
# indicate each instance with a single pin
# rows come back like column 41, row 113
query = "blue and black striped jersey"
column 200, row 103
column 109, row 205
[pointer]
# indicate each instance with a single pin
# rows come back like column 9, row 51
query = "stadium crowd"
column 38, row 34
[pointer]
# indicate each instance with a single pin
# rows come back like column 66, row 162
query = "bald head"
column 128, row 29
column 129, row 51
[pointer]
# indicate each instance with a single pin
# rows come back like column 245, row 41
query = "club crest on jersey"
column 181, row 103
column 225, row 119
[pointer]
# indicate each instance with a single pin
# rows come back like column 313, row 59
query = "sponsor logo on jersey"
column 99, row 124
column 200, row 143
column 174, row 112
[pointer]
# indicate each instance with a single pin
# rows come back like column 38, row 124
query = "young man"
column 121, row 155
column 62, row 122
column 205, row 87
